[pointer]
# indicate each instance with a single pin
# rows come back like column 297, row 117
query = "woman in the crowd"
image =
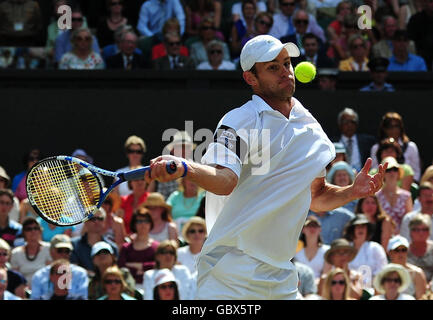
column 194, row 232
column 163, row 226
column 392, row 126
column 262, row 25
column 82, row 56
column 34, row 254
column 369, row 253
column 165, row 287
column 185, row 202
column 358, row 58
column 109, row 23
column 243, row 27
column 394, row 200
column 341, row 174
column 397, row 251
column 5, row 180
column 338, row 256
column 166, row 257
column 313, row 250
column 196, row 10
column 336, row 285
column 139, row 254
column 384, row 226
column 17, row 284
column 103, row 257
column 114, row 285
column 421, row 247
column 390, row 282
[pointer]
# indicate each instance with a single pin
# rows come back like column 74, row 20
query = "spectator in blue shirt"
column 333, row 223
column 63, row 41
column 83, row 245
column 154, row 13
column 4, row 294
column 401, row 59
column 378, row 72
column 42, row 287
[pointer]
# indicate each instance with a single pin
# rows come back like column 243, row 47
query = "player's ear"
column 249, row 78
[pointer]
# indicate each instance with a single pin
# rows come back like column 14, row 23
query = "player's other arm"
column 218, row 180
column 325, row 196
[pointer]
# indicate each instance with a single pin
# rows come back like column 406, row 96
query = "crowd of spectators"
column 144, row 241
column 210, row 34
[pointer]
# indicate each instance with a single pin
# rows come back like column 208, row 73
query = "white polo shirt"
column 264, row 214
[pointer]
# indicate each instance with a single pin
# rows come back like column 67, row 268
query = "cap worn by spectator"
column 378, row 64
column 4, row 175
column 340, row 165
column 61, row 241
column 164, row 276
column 397, row 241
column 80, row 153
column 99, row 246
column 392, row 163
column 264, row 48
column 339, row 147
column 312, row 220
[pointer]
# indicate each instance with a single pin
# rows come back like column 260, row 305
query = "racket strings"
column 63, row 191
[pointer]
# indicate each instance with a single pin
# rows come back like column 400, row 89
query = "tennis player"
column 255, row 210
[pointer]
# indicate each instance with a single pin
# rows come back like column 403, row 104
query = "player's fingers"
column 147, row 177
column 367, row 166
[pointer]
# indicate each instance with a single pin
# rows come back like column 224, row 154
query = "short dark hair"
column 388, row 143
column 142, row 212
column 29, row 221
column 310, row 35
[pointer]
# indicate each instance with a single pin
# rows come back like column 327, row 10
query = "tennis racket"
column 66, row 191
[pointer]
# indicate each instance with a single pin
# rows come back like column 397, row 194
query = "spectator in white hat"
column 166, row 287
column 398, row 247
column 390, row 283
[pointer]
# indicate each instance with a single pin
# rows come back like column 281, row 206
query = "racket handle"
column 138, row 174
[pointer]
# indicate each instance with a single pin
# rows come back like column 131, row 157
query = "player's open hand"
column 158, row 169
column 367, row 185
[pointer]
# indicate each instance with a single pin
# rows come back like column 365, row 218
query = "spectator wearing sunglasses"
column 166, row 286
column 390, row 283
column 4, row 293
column 135, row 148
column 301, row 21
column 63, row 43
column 358, row 59
column 394, row 200
column 392, row 126
column 173, row 60
column 93, row 233
column 166, row 257
column 336, row 285
column 262, row 25
column 398, row 247
column 421, row 247
column 139, row 254
column 43, row 289
column 34, row 254
column 215, row 58
column 194, row 232
column 114, row 285
column 103, row 258
column 207, row 34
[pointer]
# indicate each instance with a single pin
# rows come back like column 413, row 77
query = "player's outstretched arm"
column 325, row 196
column 219, row 180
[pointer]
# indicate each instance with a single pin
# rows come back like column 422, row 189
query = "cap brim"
column 291, row 48
column 64, row 245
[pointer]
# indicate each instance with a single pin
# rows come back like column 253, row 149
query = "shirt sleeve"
column 81, row 285
column 142, row 22
column 180, row 15
column 379, row 257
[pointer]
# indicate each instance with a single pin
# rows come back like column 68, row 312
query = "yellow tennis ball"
column 305, row 71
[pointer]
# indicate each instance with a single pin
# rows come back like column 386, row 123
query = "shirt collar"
column 261, row 106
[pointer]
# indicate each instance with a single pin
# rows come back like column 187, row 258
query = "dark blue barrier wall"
column 61, row 111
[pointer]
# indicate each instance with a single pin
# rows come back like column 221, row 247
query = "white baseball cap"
column 397, row 241
column 264, row 48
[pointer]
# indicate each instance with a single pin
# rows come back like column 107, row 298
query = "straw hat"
column 391, row 267
column 339, row 244
column 156, row 199
column 181, row 137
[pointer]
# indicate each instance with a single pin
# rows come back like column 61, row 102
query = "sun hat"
column 180, row 137
column 339, row 244
column 4, row 175
column 392, row 163
column 397, row 241
column 264, row 48
column 340, row 165
column 156, row 199
column 391, row 267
